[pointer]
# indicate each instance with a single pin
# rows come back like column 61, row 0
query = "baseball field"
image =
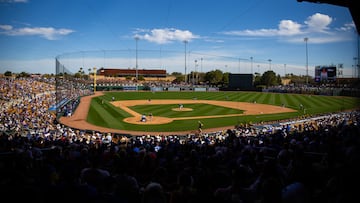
column 181, row 112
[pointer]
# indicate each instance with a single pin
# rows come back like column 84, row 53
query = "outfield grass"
column 107, row 115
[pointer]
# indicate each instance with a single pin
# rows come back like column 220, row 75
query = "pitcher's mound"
column 182, row 109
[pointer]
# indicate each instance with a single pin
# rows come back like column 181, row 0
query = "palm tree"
column 81, row 72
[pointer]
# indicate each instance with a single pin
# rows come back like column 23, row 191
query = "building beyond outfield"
column 113, row 72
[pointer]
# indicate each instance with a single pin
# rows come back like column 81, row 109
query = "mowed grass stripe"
column 259, row 98
column 94, row 116
column 283, row 100
column 304, row 100
column 156, row 110
column 337, row 103
column 331, row 101
column 217, row 97
column 115, row 111
column 277, row 99
column 233, row 96
column 216, row 110
column 250, row 97
column 348, row 101
column 264, row 98
column 313, row 103
column 292, row 101
column 321, row 102
column 106, row 117
column 206, row 96
column 272, row 99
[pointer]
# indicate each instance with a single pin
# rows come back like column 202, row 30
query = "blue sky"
column 238, row 36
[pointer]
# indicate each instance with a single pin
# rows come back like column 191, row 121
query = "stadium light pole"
column 251, row 60
column 136, row 53
column 94, row 79
column 307, row 68
column 185, row 43
column 355, row 67
column 196, row 74
column 269, row 64
column 284, row 70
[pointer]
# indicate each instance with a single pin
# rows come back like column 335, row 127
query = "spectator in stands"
column 154, row 192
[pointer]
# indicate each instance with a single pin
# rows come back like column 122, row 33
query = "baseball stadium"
column 114, row 100
column 85, row 132
column 117, row 126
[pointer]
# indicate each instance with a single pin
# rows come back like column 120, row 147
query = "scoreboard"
column 325, row 73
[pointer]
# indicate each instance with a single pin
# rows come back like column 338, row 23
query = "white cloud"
column 316, row 27
column 289, row 27
column 49, row 33
column 317, row 39
column 6, row 27
column 347, row 27
column 164, row 36
column 285, row 28
column 318, row 22
column 260, row 32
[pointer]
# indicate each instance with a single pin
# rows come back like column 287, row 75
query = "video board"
column 241, row 81
column 325, row 73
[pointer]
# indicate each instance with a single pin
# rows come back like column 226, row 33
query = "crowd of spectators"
column 43, row 161
column 315, row 90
